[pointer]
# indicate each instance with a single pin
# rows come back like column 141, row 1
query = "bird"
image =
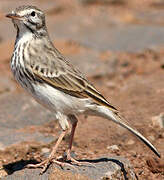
column 51, row 79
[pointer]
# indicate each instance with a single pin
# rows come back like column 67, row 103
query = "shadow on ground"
column 17, row 166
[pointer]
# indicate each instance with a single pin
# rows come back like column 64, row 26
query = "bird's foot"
column 68, row 158
column 45, row 164
column 62, row 161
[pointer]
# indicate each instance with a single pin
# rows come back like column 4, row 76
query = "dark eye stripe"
column 32, row 22
column 29, row 28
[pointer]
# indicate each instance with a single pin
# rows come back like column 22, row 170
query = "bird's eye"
column 33, row 13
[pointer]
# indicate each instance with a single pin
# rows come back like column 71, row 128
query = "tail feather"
column 108, row 114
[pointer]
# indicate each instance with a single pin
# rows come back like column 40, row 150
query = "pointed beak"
column 15, row 16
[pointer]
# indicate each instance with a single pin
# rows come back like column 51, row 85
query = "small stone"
column 130, row 142
column 113, row 148
column 3, row 173
column 45, row 150
column 158, row 120
column 151, row 138
column 111, row 85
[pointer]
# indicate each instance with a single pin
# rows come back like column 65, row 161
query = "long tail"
column 108, row 114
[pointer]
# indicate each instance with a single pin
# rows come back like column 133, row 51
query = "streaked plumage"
column 51, row 79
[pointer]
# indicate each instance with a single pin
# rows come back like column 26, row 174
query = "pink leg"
column 74, row 124
column 68, row 156
column 44, row 164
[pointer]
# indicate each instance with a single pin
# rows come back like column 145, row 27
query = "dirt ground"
column 135, row 87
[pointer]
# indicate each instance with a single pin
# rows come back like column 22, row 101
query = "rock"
column 158, row 120
column 45, row 150
column 10, row 137
column 31, row 174
column 130, row 142
column 113, row 148
column 104, row 168
column 20, row 110
column 114, row 168
column 58, row 174
column 151, row 138
column 111, row 85
column 17, row 111
column 3, row 173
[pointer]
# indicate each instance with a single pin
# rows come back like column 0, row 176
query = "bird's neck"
column 24, row 35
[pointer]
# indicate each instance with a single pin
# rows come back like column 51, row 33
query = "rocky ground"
column 119, row 45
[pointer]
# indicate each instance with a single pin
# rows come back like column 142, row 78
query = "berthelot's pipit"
column 52, row 80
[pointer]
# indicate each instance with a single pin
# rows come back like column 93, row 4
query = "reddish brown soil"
column 136, row 88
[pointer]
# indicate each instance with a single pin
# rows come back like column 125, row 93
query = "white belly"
column 58, row 101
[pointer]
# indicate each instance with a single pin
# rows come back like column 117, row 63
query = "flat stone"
column 113, row 148
column 103, row 168
column 18, row 110
column 106, row 167
column 9, row 137
column 21, row 110
column 32, row 174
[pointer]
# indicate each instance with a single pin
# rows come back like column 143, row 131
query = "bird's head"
column 28, row 19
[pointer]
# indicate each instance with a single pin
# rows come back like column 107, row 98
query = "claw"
column 62, row 164
column 44, row 165
column 73, row 161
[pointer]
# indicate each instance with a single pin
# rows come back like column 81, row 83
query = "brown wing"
column 60, row 74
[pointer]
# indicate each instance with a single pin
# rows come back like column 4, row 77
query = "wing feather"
column 68, row 79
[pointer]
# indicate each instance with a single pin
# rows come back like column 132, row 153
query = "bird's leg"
column 74, row 124
column 44, row 164
column 68, row 154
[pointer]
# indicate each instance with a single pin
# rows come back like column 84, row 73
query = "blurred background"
column 119, row 45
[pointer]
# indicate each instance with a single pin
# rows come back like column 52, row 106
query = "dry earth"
column 128, row 71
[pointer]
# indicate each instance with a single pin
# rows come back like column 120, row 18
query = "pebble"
column 130, row 142
column 151, row 138
column 3, row 173
column 111, row 85
column 45, row 150
column 158, row 120
column 113, row 148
